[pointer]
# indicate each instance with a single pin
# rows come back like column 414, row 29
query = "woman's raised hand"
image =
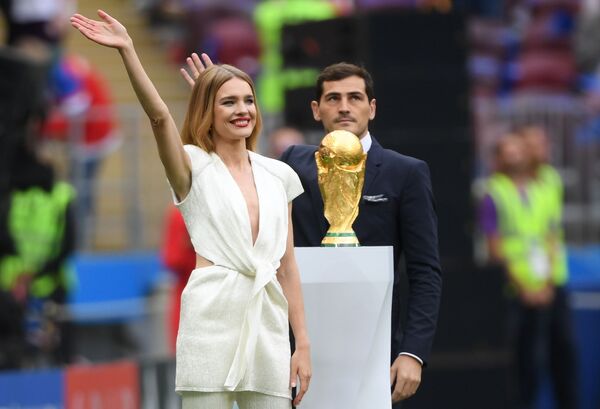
column 108, row 32
column 196, row 66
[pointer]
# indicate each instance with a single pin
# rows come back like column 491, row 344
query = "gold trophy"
column 341, row 169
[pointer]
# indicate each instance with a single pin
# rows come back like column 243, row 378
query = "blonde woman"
column 233, row 342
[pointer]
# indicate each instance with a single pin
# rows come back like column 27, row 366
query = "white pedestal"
column 348, row 298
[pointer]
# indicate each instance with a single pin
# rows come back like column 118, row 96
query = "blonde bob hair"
column 198, row 123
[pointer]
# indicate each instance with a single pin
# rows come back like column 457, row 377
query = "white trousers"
column 225, row 400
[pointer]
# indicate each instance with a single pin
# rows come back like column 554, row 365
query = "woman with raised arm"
column 233, row 342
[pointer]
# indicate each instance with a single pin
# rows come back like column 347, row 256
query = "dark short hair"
column 340, row 71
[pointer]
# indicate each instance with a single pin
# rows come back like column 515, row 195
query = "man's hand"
column 405, row 377
column 196, row 66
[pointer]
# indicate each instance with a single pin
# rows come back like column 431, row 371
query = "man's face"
column 344, row 105
column 512, row 155
column 536, row 142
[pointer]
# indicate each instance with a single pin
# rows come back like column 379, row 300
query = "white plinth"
column 348, row 298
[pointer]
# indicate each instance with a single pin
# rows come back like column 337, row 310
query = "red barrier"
column 109, row 386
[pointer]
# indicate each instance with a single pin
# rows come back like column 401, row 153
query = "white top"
column 233, row 333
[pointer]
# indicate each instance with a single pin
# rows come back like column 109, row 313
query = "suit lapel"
column 374, row 158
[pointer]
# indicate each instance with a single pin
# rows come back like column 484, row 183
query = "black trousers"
column 543, row 339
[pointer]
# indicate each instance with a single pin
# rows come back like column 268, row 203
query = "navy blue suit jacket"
column 406, row 220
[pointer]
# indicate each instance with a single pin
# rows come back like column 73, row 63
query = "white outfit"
column 234, row 334
column 224, row 400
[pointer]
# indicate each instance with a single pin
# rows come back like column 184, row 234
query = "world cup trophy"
column 341, row 171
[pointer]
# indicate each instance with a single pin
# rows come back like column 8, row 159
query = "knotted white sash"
column 246, row 348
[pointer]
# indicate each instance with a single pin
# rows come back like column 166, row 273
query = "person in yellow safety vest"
column 270, row 16
column 548, row 180
column 518, row 218
column 41, row 228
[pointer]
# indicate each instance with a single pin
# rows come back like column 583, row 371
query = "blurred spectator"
column 282, row 138
column 44, row 21
column 37, row 27
column 22, row 93
column 35, row 270
column 179, row 257
column 520, row 219
column 74, row 94
column 546, row 178
column 21, row 98
column 82, row 116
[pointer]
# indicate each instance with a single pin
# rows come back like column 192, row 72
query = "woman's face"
column 234, row 111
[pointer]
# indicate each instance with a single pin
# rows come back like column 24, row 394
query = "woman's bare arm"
column 289, row 278
column 110, row 33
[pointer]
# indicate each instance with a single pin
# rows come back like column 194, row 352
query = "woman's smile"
column 241, row 122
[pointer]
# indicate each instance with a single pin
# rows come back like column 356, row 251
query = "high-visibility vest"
column 525, row 228
column 550, row 183
column 36, row 224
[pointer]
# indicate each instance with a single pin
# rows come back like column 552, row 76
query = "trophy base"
column 340, row 240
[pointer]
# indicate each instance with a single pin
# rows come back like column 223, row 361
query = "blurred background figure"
column 76, row 96
column 35, row 237
column 82, row 117
column 520, row 217
column 543, row 174
column 34, row 23
column 36, row 270
column 179, row 257
column 282, row 138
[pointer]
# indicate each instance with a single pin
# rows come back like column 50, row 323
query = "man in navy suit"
column 397, row 209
